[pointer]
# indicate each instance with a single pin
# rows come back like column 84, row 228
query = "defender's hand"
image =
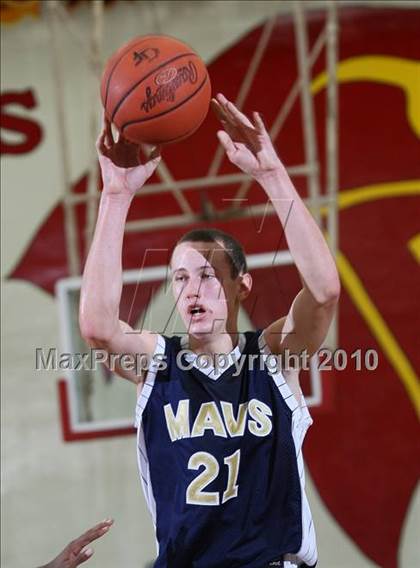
column 76, row 552
column 122, row 171
column 247, row 144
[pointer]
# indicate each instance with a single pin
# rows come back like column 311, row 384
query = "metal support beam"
column 332, row 125
column 97, row 12
column 253, row 211
column 332, row 146
column 193, row 183
column 70, row 227
column 308, row 118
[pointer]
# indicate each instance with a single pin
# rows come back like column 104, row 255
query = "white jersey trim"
column 142, row 457
column 149, row 380
column 211, row 371
column 301, row 420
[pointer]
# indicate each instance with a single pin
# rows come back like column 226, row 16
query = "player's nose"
column 192, row 289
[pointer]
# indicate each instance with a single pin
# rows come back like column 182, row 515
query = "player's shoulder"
column 173, row 342
column 168, row 346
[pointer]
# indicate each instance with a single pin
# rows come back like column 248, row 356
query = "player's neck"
column 223, row 342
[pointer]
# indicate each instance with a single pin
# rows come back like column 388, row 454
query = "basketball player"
column 219, row 447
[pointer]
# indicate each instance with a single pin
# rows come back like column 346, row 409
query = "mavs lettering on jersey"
column 208, row 418
column 221, row 464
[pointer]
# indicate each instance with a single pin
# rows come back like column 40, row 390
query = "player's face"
column 206, row 294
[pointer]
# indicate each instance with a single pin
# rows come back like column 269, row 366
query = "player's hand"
column 122, row 171
column 77, row 551
column 247, row 144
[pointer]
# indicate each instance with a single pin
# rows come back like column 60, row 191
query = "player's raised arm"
column 122, row 175
column 249, row 147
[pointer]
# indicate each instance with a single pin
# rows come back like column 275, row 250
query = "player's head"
column 209, row 270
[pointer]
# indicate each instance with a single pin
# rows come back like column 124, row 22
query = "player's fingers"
column 155, row 153
column 233, row 112
column 121, row 139
column 259, row 124
column 109, row 137
column 221, row 99
column 108, row 522
column 102, row 138
column 90, row 535
column 228, row 115
column 97, row 531
column 226, row 142
column 218, row 110
column 231, row 130
column 239, row 116
column 227, row 105
column 100, row 145
column 99, row 142
column 84, row 555
column 238, row 121
column 151, row 165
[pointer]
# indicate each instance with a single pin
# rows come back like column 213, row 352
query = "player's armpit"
column 127, row 351
column 272, row 336
column 304, row 328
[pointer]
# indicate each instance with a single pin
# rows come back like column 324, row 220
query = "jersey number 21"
column 195, row 490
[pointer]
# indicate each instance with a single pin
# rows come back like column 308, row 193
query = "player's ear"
column 245, row 285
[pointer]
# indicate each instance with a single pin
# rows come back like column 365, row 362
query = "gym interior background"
column 338, row 86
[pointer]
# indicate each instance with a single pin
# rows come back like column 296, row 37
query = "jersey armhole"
column 149, row 381
column 289, row 398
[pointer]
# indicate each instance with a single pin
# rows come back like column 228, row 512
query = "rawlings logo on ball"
column 166, row 92
column 166, row 76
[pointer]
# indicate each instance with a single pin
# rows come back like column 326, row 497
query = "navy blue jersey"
column 220, row 460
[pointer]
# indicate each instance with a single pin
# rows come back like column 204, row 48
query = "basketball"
column 156, row 90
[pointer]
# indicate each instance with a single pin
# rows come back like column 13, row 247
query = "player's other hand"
column 122, row 171
column 247, row 143
column 77, row 551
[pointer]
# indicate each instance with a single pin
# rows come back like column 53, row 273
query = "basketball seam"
column 190, row 131
column 169, row 109
column 146, row 77
column 115, row 65
column 185, row 135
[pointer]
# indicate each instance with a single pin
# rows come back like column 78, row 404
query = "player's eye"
column 207, row 275
column 180, row 278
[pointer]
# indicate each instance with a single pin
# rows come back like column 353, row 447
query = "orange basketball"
column 156, row 89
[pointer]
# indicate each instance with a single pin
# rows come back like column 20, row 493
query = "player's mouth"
column 197, row 312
